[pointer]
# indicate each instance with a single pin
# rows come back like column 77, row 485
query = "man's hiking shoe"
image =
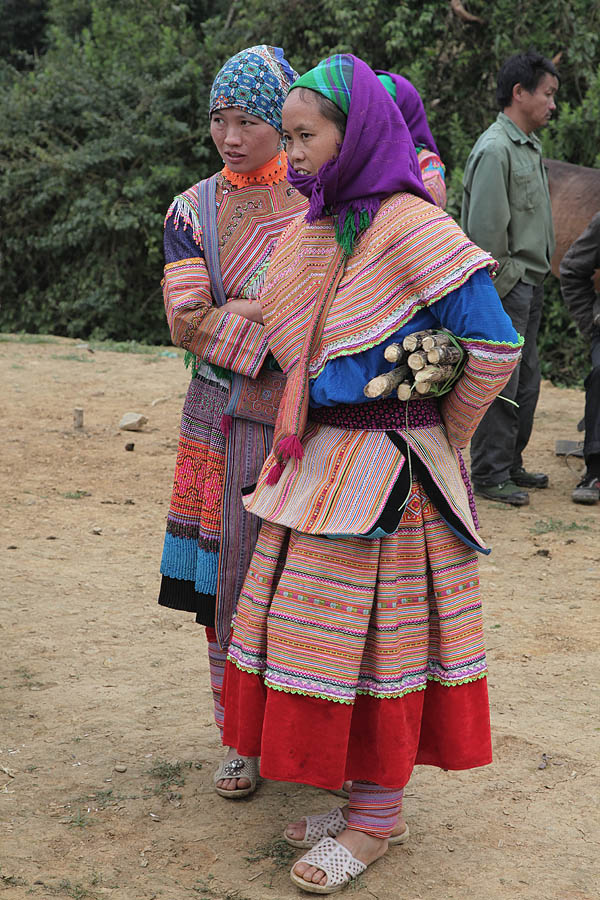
column 529, row 479
column 587, row 491
column 505, row 492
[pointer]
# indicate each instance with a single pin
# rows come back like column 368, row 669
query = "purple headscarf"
column 410, row 104
column 377, row 157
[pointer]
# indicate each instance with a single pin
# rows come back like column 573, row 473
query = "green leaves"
column 97, row 139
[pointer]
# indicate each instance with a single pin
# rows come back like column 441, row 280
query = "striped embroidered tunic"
column 252, row 211
column 433, row 173
column 364, row 587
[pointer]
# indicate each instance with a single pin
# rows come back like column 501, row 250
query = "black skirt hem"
column 182, row 595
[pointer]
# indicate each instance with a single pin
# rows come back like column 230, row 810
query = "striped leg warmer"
column 373, row 809
column 216, row 660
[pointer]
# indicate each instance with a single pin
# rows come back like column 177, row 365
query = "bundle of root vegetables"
column 428, row 364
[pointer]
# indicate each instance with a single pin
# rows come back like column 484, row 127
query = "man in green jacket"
column 506, row 210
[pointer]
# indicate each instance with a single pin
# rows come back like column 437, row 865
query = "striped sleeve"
column 476, row 316
column 488, row 368
column 196, row 324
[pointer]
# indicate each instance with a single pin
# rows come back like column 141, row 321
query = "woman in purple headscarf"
column 357, row 647
column 411, row 106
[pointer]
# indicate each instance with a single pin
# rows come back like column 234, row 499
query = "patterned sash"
column 207, row 206
column 247, row 441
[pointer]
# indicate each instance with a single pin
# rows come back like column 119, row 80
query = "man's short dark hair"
column 526, row 69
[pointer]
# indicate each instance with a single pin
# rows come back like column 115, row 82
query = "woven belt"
column 379, row 415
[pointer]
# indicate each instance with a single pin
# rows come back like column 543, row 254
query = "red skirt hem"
column 318, row 742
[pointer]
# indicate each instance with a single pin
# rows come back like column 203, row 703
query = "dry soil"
column 107, row 746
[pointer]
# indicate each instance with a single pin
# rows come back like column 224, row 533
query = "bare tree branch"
column 462, row 13
column 230, row 14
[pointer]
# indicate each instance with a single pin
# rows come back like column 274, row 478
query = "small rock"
column 120, row 768
column 129, row 502
column 159, row 400
column 130, row 445
column 51, row 537
column 96, row 530
column 544, row 762
column 12, row 547
column 132, row 421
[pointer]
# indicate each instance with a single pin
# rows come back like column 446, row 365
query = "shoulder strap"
column 293, row 409
column 207, row 208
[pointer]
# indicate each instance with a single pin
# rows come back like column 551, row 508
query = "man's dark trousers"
column 591, row 445
column 497, row 445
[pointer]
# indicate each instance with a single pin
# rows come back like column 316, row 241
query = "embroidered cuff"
column 231, row 342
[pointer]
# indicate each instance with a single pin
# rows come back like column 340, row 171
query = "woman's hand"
column 249, row 309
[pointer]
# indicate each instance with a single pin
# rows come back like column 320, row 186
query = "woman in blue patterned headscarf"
column 256, row 80
column 211, row 280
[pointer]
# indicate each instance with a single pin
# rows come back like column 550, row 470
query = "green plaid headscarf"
column 332, row 78
column 376, row 156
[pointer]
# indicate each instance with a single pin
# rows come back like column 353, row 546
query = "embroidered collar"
column 273, row 172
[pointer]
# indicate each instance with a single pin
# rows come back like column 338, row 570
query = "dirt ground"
column 107, row 746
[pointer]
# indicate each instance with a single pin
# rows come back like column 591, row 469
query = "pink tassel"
column 291, row 447
column 275, row 474
column 226, row 423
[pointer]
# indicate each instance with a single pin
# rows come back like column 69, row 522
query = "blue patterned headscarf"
column 257, row 80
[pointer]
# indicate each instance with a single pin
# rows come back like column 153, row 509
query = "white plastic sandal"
column 330, row 824
column 336, row 861
column 239, row 767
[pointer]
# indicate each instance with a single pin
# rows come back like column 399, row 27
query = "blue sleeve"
column 472, row 311
column 178, row 241
column 183, row 228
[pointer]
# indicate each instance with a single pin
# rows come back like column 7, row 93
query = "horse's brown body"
column 575, row 196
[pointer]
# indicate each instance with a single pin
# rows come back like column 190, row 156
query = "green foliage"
column 94, row 140
column 22, row 30
column 575, row 135
column 543, row 527
column 104, row 120
column 564, row 353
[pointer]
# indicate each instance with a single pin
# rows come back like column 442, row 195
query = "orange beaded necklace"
column 273, row 172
